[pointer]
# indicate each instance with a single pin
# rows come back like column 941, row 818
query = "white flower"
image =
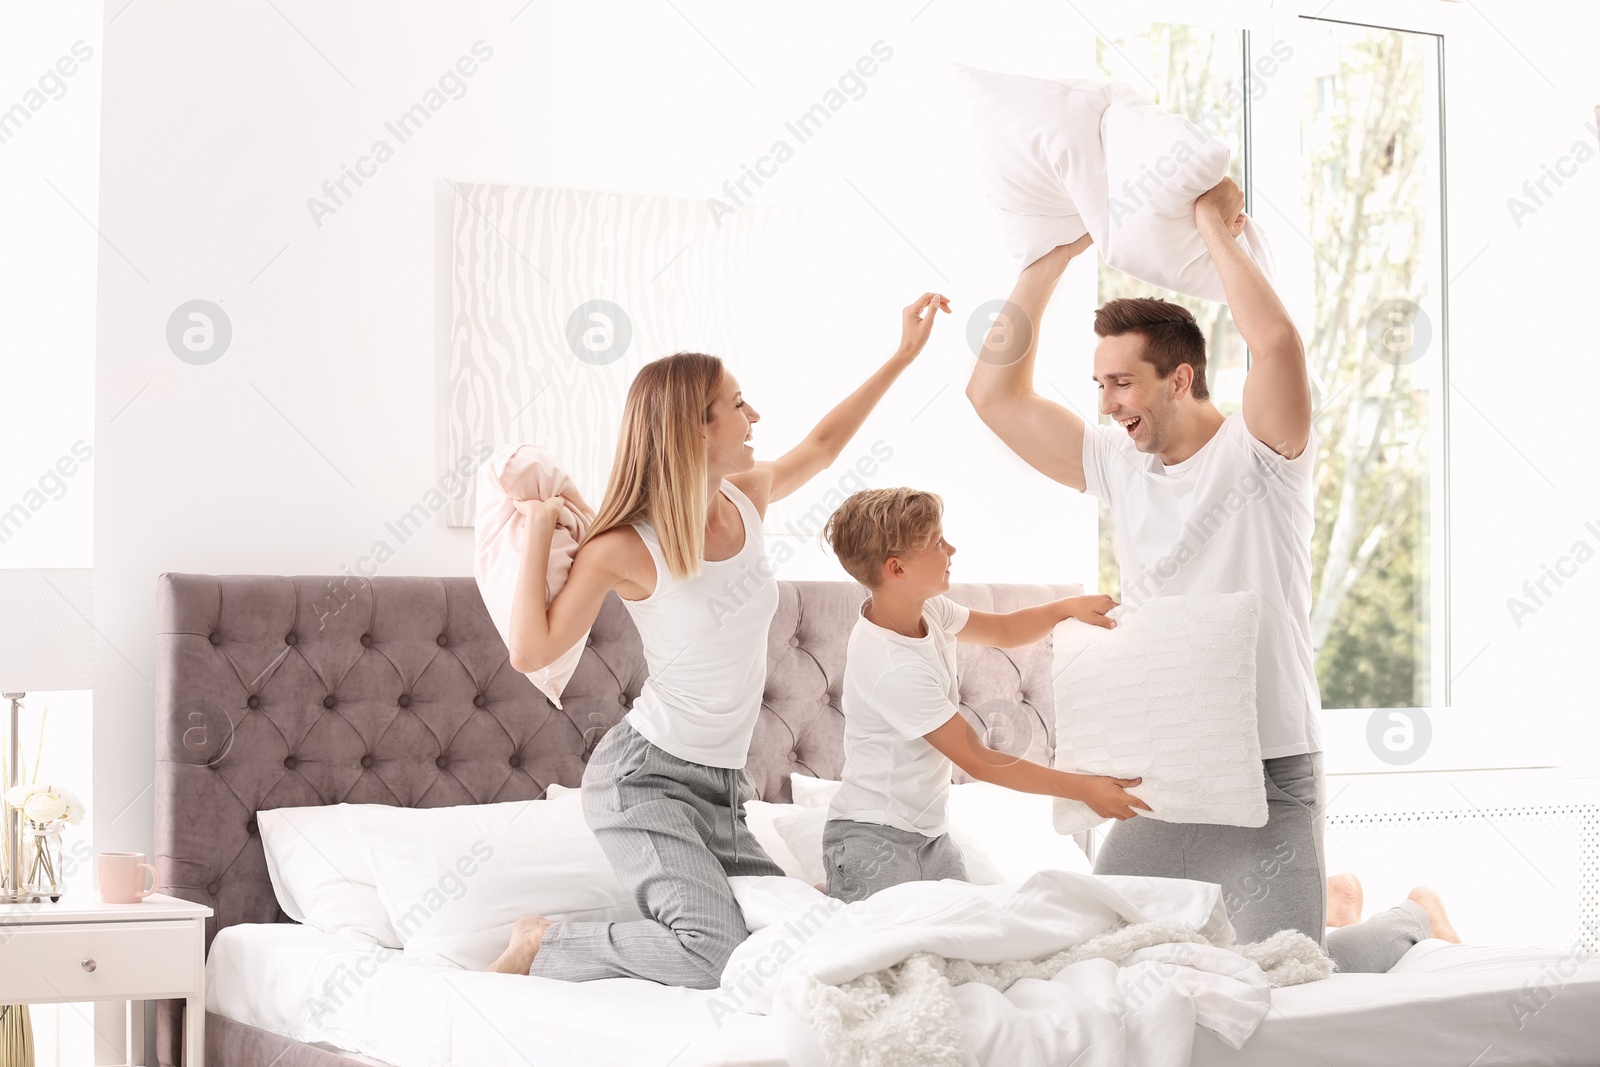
column 75, row 809
column 44, row 806
column 46, row 803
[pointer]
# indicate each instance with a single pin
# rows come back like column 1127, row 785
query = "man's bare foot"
column 1435, row 908
column 1344, row 900
column 526, row 936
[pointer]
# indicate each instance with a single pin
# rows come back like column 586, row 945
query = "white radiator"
column 1514, row 855
column 1516, row 863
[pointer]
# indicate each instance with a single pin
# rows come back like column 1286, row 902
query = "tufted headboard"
column 276, row 691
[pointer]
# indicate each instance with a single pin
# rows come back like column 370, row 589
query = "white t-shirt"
column 1234, row 517
column 705, row 645
column 896, row 689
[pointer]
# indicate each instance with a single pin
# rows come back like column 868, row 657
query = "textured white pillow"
column 758, row 815
column 1168, row 696
column 321, row 872
column 454, row 880
column 1065, row 158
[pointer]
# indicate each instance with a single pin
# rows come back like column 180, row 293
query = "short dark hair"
column 1171, row 336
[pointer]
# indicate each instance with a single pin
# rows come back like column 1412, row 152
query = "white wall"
column 288, row 453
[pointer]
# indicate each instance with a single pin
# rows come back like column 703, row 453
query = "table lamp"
column 46, row 645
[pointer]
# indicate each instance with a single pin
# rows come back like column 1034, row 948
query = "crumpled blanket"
column 525, row 472
column 1066, row 968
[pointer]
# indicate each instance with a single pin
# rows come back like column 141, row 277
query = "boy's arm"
column 1013, row 629
column 1107, row 796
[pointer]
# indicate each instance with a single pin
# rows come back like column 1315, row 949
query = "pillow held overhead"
column 1064, row 158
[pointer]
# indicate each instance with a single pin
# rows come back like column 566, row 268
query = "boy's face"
column 925, row 573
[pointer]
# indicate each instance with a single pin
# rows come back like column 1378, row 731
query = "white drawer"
column 131, row 961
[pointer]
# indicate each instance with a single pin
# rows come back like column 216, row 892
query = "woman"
column 664, row 789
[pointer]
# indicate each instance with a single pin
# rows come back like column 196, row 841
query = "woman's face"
column 729, row 448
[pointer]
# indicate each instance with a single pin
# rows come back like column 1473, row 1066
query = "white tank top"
column 705, row 644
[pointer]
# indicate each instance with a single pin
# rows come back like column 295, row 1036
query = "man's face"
column 1143, row 404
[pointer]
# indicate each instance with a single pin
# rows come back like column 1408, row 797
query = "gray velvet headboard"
column 276, row 691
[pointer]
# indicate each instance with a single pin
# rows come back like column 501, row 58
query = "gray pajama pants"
column 674, row 832
column 864, row 857
column 1272, row 877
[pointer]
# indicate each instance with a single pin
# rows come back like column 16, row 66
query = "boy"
column 903, row 728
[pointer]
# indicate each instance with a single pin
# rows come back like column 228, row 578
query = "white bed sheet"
column 1443, row 1004
column 343, row 994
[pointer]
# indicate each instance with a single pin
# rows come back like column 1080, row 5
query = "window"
column 1338, row 129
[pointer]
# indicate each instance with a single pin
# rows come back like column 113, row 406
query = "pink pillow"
column 525, row 472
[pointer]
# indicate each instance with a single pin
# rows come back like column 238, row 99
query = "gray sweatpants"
column 864, row 857
column 1273, row 877
column 674, row 832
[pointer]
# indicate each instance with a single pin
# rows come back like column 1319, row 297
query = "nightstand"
column 83, row 950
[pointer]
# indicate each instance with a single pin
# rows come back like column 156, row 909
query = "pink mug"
column 122, row 879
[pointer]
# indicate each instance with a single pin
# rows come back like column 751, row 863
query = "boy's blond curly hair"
column 874, row 524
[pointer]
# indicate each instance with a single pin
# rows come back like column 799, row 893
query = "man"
column 1206, row 504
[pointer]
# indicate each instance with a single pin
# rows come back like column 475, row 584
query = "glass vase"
column 42, row 859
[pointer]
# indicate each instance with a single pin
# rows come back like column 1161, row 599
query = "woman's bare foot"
column 526, row 936
column 1435, row 908
column 1344, row 900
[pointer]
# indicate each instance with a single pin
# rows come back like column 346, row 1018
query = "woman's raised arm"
column 822, row 446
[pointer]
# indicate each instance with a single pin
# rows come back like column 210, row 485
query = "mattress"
column 1450, row 1005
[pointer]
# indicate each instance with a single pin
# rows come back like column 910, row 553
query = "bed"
column 279, row 691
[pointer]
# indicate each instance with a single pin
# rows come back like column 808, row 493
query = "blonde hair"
column 659, row 473
column 874, row 524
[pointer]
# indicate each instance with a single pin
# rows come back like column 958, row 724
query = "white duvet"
column 872, row 982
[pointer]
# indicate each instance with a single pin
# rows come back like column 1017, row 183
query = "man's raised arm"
column 1277, row 391
column 1045, row 434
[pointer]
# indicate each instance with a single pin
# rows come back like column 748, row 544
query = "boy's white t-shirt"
column 896, row 689
column 1234, row 517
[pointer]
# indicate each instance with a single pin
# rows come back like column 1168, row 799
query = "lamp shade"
column 46, row 629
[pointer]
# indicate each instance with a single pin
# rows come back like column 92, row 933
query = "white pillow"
column 1065, row 158
column 1015, row 830
column 802, row 831
column 762, row 818
column 809, row 792
column 321, row 872
column 1004, row 835
column 1168, row 696
column 454, row 880
column 758, row 815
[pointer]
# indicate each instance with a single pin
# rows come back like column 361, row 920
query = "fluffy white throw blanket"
column 1100, row 972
